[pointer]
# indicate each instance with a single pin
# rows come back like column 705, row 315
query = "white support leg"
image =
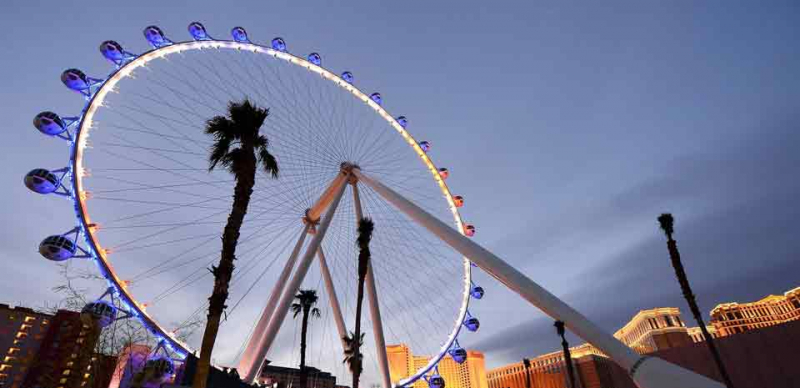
column 291, row 289
column 337, row 310
column 646, row 372
column 374, row 307
column 247, row 362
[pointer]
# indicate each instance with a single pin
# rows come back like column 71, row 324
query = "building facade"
column 66, row 355
column 43, row 350
column 469, row 374
column 654, row 329
column 21, row 333
column 734, row 318
column 283, row 377
column 697, row 335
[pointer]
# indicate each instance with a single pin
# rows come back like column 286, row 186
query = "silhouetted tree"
column 241, row 148
column 567, row 356
column 352, row 354
column 365, row 228
column 527, row 364
column 667, row 223
column 306, row 299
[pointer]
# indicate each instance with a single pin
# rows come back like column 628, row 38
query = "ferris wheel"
column 150, row 212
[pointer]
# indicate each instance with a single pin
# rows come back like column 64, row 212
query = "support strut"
column 282, row 308
column 374, row 307
column 337, row 310
column 647, row 372
column 256, row 340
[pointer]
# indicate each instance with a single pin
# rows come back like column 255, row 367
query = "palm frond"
column 222, row 130
column 248, row 117
column 315, row 312
column 267, row 160
column 235, row 160
column 296, row 309
column 667, row 223
column 365, row 228
column 352, row 357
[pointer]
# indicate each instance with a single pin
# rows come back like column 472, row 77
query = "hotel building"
column 470, row 374
column 654, row 329
column 733, row 318
column 50, row 350
column 21, row 333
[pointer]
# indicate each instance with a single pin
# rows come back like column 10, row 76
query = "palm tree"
column 527, row 364
column 365, row 228
column 352, row 354
column 239, row 147
column 667, row 225
column 567, row 356
column 306, row 299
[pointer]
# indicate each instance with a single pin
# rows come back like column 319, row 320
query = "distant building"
column 654, row 329
column 662, row 332
column 469, row 374
column 21, row 333
column 548, row 370
column 283, row 377
column 733, row 318
column 66, row 355
column 43, row 350
column 697, row 335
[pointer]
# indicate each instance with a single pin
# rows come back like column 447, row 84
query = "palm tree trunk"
column 357, row 345
column 675, row 256
column 568, row 362
column 222, row 274
column 304, row 332
column 527, row 363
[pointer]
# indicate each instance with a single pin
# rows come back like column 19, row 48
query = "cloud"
column 736, row 228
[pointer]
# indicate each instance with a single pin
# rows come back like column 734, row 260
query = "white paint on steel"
column 331, row 290
column 291, row 289
column 656, row 375
column 374, row 307
column 257, row 338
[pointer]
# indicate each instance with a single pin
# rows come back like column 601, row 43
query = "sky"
column 569, row 127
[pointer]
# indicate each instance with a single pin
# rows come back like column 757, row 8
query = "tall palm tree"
column 667, row 223
column 527, row 364
column 365, row 228
column 241, row 148
column 567, row 356
column 306, row 299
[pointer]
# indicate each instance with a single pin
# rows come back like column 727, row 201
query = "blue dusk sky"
column 568, row 127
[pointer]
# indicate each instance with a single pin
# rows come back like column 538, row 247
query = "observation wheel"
column 150, row 212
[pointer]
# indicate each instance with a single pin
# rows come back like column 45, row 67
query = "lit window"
column 66, row 372
column 30, row 319
column 62, row 381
